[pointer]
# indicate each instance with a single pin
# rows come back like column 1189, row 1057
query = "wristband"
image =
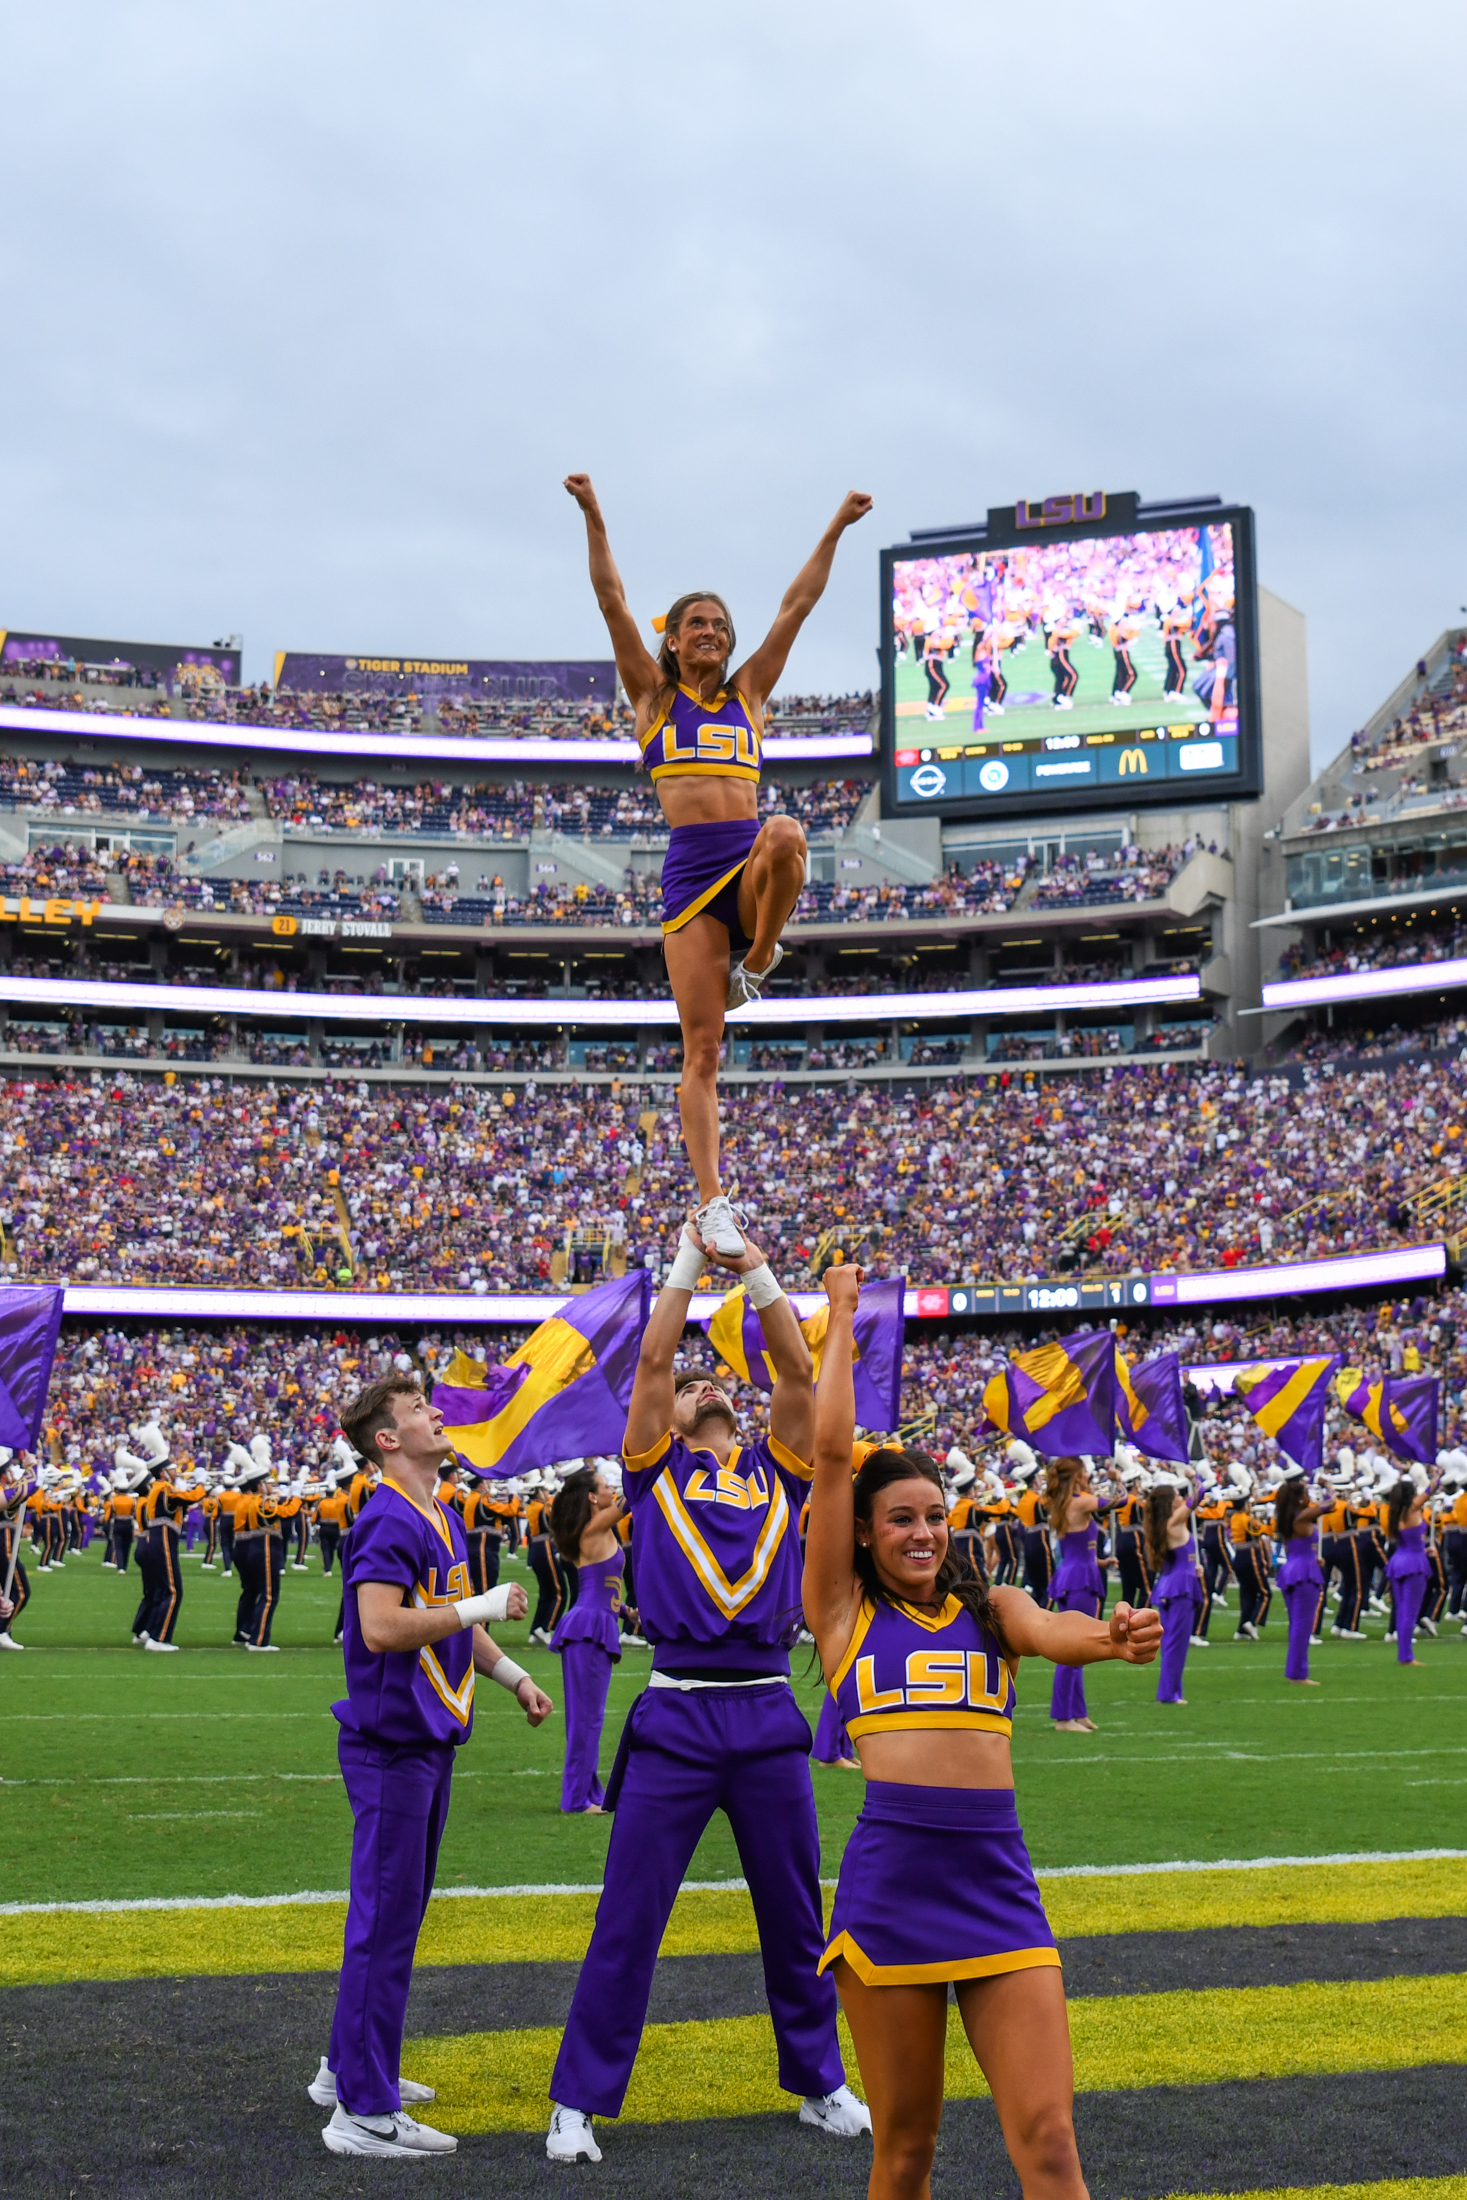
column 484, row 1609
column 508, row 1674
column 688, row 1266
column 763, row 1286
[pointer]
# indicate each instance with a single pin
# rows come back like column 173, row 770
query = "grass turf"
column 217, row 1770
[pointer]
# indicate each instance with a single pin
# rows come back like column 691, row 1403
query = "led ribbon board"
column 1365, row 985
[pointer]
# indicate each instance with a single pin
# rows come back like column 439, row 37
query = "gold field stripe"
column 499, row 2081
column 1389, row 2188
column 44, row 1947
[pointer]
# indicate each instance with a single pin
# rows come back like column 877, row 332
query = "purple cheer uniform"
column 701, row 870
column 406, row 1712
column 1078, row 1586
column 589, row 1645
column 718, row 1591
column 1177, row 1595
column 1408, row 1571
column 1301, row 1578
column 935, row 1883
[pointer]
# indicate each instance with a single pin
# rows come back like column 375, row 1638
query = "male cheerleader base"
column 718, row 1728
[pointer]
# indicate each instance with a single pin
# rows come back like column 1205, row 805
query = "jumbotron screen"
column 1030, row 668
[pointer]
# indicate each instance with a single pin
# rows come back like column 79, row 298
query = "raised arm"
column 649, row 1415
column 792, row 1404
column 829, row 1585
column 758, row 676
column 641, row 675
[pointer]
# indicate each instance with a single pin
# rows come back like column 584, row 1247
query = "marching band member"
column 545, row 1564
column 1249, row 1535
column 481, row 1518
column 1130, row 1532
column 1038, row 1555
column 259, row 1548
column 331, row 1517
column 163, row 1506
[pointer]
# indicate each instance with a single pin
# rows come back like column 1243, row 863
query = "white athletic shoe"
column 536, row 1634
column 206, row 1565
column 399, row 2134
column 1199, row 1642
column 8, row 1641
column 1247, row 1632
column 262, row 1649
column 839, row 2113
column 744, row 984
column 149, row 1644
column 1427, row 1626
column 322, row 2089
column 717, row 1228
column 297, row 1568
column 569, row 2138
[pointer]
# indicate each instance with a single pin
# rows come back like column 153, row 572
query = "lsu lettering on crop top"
column 906, row 1671
column 711, row 740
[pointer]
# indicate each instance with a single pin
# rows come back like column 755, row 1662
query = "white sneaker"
column 1427, row 1626
column 322, row 2089
column 399, row 2134
column 206, row 1566
column 8, row 1641
column 1199, row 1642
column 569, row 2138
column 717, row 1228
column 262, row 1649
column 744, row 984
column 1247, row 1632
column 297, row 1568
column 149, row 1644
column 536, row 1634
column 839, row 2113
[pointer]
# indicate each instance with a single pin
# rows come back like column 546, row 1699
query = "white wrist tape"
column 508, row 1674
column 688, row 1265
column 484, row 1610
column 763, row 1286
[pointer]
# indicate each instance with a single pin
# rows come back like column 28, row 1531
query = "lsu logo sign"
column 1060, row 511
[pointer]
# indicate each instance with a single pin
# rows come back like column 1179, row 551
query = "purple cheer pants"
column 1178, row 1621
column 744, row 1751
column 1303, row 1601
column 1410, row 1594
column 399, row 1800
column 585, row 1670
column 1067, row 1697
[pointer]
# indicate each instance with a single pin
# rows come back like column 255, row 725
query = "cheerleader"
column 1408, row 1569
column 1301, row 1577
column 936, row 1888
column 1078, row 1584
column 1171, row 1548
column 583, row 1521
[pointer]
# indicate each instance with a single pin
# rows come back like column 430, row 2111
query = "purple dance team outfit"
column 701, row 870
column 405, row 1714
column 936, row 1882
column 1077, row 1586
column 589, row 1646
column 1408, row 1571
column 717, row 1728
column 1177, row 1595
column 832, row 1742
column 1301, row 1578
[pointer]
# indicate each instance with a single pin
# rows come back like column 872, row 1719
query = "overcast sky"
column 308, row 308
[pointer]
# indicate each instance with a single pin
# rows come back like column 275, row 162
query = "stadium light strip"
column 921, row 1302
column 414, row 1008
column 446, row 749
column 1365, row 985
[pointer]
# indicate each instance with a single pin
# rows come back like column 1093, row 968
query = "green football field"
column 126, row 1775
column 1029, row 705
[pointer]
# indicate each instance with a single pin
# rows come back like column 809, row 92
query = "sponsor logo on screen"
column 929, row 780
column 993, row 776
column 1133, row 760
column 1075, row 767
column 1201, row 756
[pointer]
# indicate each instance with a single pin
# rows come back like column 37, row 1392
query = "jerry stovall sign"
column 470, row 679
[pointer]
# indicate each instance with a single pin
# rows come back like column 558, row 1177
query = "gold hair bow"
column 659, row 626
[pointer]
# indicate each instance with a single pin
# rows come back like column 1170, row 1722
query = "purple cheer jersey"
column 717, row 1553
column 411, row 1698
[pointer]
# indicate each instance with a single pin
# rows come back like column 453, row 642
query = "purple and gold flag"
column 735, row 1335
column 563, row 1394
column 30, row 1323
column 1288, row 1403
column 1061, row 1398
column 1402, row 1410
column 1149, row 1409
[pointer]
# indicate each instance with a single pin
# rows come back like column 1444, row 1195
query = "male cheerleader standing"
column 718, row 1590
column 415, row 1640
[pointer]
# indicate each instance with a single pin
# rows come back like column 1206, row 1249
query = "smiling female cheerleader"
column 1078, row 1584
column 583, row 1521
column 728, row 883
column 936, row 1888
column 1301, row 1577
column 1171, row 1548
column 1408, row 1569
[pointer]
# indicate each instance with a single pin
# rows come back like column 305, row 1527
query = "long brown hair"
column 666, row 657
column 571, row 1510
column 1399, row 1501
column 1157, row 1518
column 954, row 1577
column 1289, row 1501
column 1061, row 1479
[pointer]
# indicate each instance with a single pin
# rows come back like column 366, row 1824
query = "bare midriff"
column 699, row 798
column 938, row 1758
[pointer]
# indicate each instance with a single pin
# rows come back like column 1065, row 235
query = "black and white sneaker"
column 569, row 2138
column 322, row 2089
column 839, row 2113
column 399, row 2134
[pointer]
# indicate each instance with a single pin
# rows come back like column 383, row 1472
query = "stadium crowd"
column 511, row 810
column 1075, row 880
column 1385, row 949
column 1146, row 1167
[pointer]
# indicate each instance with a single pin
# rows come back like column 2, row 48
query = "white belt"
column 757, row 1680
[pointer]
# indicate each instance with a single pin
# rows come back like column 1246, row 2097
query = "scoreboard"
column 1090, row 651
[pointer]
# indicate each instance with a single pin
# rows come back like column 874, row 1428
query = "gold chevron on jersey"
column 730, row 1596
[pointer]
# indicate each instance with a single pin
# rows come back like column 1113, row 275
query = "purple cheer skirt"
column 936, row 1885
column 701, row 872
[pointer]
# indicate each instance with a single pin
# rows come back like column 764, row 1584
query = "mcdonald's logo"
column 1133, row 760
